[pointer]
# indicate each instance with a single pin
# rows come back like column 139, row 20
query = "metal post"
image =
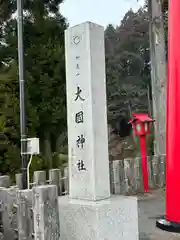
column 22, row 95
column 144, row 163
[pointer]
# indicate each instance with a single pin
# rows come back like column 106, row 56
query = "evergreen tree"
column 128, row 73
column 44, row 69
column 9, row 122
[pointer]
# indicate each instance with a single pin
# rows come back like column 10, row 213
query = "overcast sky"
column 101, row 12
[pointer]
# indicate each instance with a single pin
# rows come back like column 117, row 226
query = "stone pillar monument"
column 89, row 213
column 87, row 118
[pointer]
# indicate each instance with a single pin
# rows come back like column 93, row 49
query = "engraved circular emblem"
column 76, row 40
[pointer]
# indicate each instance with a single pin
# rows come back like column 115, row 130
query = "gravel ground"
column 152, row 206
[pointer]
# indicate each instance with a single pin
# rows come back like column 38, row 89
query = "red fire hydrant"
column 141, row 126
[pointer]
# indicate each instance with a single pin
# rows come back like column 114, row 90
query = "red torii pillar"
column 171, row 221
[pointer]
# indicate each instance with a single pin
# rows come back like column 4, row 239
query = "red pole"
column 171, row 222
column 144, row 162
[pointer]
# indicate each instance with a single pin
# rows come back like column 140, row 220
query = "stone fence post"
column 39, row 178
column 25, row 215
column 46, row 213
column 5, row 181
column 19, row 182
column 55, row 179
column 66, row 180
column 9, row 213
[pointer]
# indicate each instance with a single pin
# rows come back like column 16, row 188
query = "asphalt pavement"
column 152, row 206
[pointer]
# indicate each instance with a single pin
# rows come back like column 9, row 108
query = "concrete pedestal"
column 115, row 218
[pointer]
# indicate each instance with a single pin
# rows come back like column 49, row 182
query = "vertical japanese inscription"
column 78, row 94
column 79, row 116
column 80, row 141
column 38, row 217
column 81, row 166
column 77, row 66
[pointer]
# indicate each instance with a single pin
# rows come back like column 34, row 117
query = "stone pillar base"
column 115, row 218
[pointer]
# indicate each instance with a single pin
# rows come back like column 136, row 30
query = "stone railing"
column 33, row 213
